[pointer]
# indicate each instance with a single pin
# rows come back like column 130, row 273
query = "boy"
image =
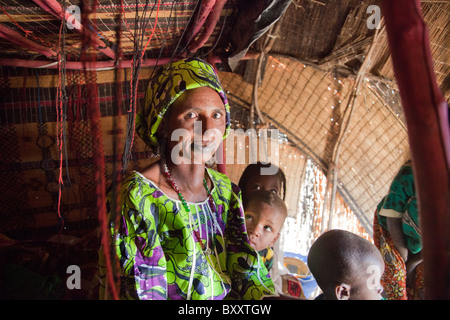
column 346, row 267
column 265, row 213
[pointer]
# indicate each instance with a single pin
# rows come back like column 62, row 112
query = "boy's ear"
column 342, row 291
column 274, row 240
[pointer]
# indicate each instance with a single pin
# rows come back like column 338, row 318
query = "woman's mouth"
column 203, row 148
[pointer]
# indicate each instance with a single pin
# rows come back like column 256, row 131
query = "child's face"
column 368, row 286
column 263, row 182
column 263, row 223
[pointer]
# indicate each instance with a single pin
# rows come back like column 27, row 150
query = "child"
column 265, row 213
column 346, row 267
column 253, row 179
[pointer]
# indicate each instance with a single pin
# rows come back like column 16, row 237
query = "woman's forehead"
column 199, row 98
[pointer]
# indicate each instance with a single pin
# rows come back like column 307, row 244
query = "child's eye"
column 248, row 217
column 257, row 187
column 268, row 228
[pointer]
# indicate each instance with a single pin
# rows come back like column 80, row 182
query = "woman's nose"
column 210, row 130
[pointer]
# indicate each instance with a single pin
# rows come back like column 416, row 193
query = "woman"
column 181, row 233
column 397, row 235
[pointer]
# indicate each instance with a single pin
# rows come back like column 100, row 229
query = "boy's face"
column 263, row 223
column 267, row 182
column 368, row 286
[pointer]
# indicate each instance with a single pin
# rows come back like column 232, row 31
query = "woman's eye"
column 190, row 115
column 217, row 115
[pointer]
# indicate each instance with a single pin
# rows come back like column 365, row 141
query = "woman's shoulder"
column 216, row 175
column 223, row 181
column 136, row 185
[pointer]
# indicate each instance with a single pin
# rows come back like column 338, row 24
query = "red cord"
column 137, row 81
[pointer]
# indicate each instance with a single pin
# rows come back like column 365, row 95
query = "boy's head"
column 265, row 213
column 253, row 179
column 346, row 266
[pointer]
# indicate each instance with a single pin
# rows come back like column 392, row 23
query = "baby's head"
column 346, row 266
column 265, row 213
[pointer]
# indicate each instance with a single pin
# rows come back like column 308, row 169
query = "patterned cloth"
column 168, row 84
column 267, row 255
column 394, row 276
column 399, row 203
column 160, row 259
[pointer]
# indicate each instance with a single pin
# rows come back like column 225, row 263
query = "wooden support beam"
column 426, row 114
column 54, row 8
column 17, row 38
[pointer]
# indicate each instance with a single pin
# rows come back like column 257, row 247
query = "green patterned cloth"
column 159, row 257
column 401, row 202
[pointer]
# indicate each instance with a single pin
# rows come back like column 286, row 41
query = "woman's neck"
column 188, row 177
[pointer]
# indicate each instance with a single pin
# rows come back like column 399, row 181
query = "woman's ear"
column 342, row 291
column 162, row 129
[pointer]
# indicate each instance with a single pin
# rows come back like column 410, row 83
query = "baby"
column 265, row 213
column 346, row 267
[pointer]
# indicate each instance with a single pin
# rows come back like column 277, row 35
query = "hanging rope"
column 136, row 64
column 60, row 116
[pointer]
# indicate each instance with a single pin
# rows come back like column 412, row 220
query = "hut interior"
column 313, row 79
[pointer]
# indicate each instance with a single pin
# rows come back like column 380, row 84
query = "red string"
column 59, row 117
column 137, row 75
column 122, row 11
column 153, row 31
column 27, row 32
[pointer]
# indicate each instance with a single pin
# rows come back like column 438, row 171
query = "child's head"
column 346, row 266
column 265, row 213
column 254, row 178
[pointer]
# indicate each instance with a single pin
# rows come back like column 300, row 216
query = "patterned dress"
column 267, row 255
column 399, row 203
column 160, row 257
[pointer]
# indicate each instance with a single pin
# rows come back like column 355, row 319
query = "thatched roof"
column 312, row 56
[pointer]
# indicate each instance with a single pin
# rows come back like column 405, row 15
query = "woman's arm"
column 395, row 229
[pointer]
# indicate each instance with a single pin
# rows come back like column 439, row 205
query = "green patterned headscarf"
column 166, row 86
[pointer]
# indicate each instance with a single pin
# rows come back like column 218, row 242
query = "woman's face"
column 196, row 125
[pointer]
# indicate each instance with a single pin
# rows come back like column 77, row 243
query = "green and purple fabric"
column 159, row 257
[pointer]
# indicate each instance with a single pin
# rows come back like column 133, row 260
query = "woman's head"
column 182, row 94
